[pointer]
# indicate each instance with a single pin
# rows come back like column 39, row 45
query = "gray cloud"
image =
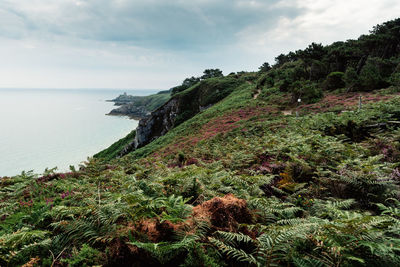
column 158, row 43
column 162, row 24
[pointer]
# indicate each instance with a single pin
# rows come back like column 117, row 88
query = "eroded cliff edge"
column 180, row 108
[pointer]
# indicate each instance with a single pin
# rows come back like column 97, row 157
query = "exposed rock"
column 157, row 124
column 131, row 111
column 179, row 108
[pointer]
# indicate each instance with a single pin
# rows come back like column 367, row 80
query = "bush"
column 351, row 78
column 317, row 70
column 264, row 67
column 371, row 76
column 211, row 73
column 308, row 92
column 334, row 81
column 395, row 80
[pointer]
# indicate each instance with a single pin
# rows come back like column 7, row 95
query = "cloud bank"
column 157, row 43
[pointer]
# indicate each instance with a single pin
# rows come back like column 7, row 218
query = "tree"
column 264, row 67
column 351, row 79
column 370, row 77
column 395, row 80
column 211, row 73
column 281, row 59
column 334, row 81
column 313, row 51
column 189, row 82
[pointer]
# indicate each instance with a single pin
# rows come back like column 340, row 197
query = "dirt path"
column 257, row 94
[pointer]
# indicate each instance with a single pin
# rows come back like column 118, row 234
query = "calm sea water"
column 56, row 128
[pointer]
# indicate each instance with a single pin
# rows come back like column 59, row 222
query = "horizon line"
column 82, row 88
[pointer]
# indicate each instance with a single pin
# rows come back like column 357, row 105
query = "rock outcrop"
column 158, row 124
column 130, row 110
column 180, row 108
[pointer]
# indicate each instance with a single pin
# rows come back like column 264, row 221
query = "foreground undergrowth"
column 268, row 189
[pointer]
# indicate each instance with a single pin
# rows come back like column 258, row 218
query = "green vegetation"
column 189, row 82
column 139, row 106
column 244, row 182
column 152, row 102
column 368, row 63
column 203, row 94
column 114, row 150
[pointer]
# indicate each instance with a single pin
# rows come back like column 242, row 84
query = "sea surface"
column 46, row 128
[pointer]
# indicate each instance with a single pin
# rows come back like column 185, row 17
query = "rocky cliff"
column 158, row 124
column 180, row 108
column 130, row 110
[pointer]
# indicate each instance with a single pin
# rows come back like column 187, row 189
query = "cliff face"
column 180, row 108
column 158, row 124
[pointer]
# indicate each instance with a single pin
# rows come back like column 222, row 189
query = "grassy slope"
column 202, row 94
column 234, row 100
column 113, row 150
column 152, row 102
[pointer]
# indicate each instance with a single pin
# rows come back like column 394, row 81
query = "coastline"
column 69, row 143
column 131, row 117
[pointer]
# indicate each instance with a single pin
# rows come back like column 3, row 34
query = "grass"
column 115, row 149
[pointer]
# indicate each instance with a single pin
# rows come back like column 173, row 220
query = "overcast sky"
column 155, row 44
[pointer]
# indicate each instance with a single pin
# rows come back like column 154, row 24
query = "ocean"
column 46, row 128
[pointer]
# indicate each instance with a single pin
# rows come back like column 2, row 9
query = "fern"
column 166, row 251
column 234, row 253
column 22, row 242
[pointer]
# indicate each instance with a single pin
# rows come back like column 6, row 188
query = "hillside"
column 235, row 171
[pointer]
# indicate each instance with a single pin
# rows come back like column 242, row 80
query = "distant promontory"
column 138, row 107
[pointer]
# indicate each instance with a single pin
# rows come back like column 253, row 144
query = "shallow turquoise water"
column 49, row 128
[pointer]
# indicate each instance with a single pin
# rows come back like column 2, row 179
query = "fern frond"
column 234, row 253
column 234, row 238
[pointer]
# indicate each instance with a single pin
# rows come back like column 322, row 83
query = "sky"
column 155, row 44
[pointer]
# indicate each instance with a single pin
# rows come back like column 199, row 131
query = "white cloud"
column 322, row 21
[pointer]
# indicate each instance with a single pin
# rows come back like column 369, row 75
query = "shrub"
column 264, row 67
column 334, row 81
column 317, row 70
column 308, row 92
column 395, row 80
column 371, row 77
column 351, row 78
